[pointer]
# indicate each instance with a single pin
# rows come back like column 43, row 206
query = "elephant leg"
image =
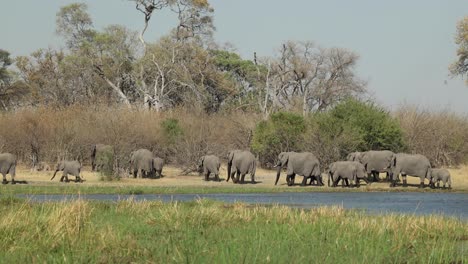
column 217, row 177
column 376, row 176
column 421, row 182
column 304, row 181
column 252, row 176
column 238, row 177
column 62, row 178
column 4, row 179
column 291, row 179
column 357, row 183
column 207, row 175
column 242, row 181
column 405, row 182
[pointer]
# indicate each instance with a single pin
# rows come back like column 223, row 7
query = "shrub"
column 283, row 131
column 352, row 126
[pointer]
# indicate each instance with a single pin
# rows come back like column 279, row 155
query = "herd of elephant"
column 364, row 166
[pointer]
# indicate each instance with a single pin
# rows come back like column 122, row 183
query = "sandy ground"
column 173, row 177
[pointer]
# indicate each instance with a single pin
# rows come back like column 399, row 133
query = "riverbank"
column 174, row 182
column 204, row 231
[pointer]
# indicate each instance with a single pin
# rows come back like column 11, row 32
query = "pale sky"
column 405, row 47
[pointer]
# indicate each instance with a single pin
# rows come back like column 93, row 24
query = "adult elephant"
column 141, row 163
column 241, row 162
column 210, row 165
column 8, row 166
column 377, row 161
column 415, row 165
column 68, row 167
column 304, row 164
column 101, row 156
column 346, row 171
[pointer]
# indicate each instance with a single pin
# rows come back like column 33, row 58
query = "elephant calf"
column 210, row 165
column 347, row 171
column 441, row 175
column 8, row 166
column 158, row 165
column 68, row 167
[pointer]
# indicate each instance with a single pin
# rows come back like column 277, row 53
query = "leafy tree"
column 460, row 67
column 283, row 131
column 11, row 89
column 352, row 126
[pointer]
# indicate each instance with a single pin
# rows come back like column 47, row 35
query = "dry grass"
column 265, row 178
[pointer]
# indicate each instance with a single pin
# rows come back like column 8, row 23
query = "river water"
column 448, row 204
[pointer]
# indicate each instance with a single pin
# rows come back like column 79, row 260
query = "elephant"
column 376, row 161
column 241, row 162
column 301, row 163
column 158, row 164
column 346, row 171
column 68, row 167
column 415, row 165
column 101, row 156
column 8, row 166
column 354, row 156
column 441, row 175
column 141, row 163
column 210, row 164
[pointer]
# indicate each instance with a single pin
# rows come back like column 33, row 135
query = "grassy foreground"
column 211, row 232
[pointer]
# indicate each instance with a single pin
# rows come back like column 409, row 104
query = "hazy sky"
column 405, row 47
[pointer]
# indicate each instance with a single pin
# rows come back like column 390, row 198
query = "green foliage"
column 282, row 132
column 352, row 126
column 205, row 231
column 172, row 130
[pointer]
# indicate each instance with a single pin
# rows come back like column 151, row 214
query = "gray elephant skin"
column 346, row 171
column 241, row 162
column 441, row 175
column 210, row 165
column 100, row 156
column 141, row 163
column 301, row 163
column 8, row 166
column 414, row 165
column 374, row 161
column 158, row 165
column 68, row 167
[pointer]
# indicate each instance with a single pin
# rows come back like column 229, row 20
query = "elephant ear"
column 284, row 158
column 230, row 156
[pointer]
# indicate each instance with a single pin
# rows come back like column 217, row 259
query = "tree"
column 110, row 53
column 317, row 78
column 460, row 67
column 11, row 89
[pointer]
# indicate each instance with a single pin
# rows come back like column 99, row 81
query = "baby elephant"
column 441, row 175
column 209, row 164
column 158, row 165
column 69, row 167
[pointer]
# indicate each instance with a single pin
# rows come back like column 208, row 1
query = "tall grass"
column 210, row 232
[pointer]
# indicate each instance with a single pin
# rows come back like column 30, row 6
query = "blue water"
column 448, row 204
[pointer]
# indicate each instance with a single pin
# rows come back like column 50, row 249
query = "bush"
column 352, row 126
column 282, row 132
column 440, row 136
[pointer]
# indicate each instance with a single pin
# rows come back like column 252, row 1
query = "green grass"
column 205, row 231
column 73, row 188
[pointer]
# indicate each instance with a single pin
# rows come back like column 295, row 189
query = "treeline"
column 116, row 66
column 182, row 135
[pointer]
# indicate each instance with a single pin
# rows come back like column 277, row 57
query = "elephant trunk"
column 278, row 172
column 54, row 174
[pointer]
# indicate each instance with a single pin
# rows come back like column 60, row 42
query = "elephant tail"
column 253, row 167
